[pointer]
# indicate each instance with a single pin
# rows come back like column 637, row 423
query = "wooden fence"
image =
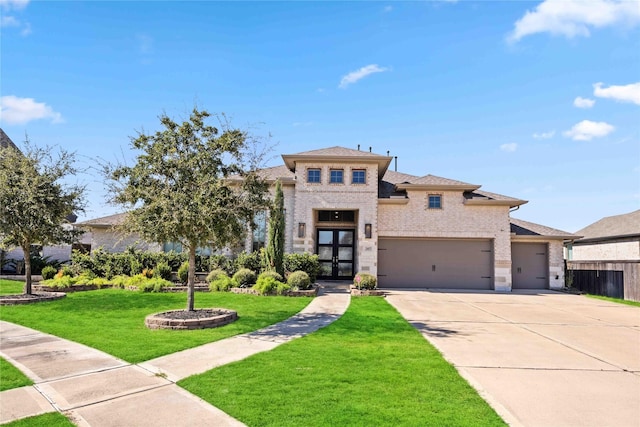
column 617, row 279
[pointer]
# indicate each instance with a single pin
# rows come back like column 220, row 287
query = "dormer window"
column 435, row 201
column 313, row 176
column 358, row 176
column 336, row 176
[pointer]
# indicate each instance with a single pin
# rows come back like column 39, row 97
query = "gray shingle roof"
column 526, row 228
column 613, row 226
column 105, row 221
column 438, row 180
column 337, row 151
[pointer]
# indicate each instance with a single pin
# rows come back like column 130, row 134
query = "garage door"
column 529, row 266
column 421, row 263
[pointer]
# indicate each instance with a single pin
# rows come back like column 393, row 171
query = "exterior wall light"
column 302, row 229
column 367, row 231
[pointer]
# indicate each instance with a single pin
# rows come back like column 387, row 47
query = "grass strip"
column 11, row 377
column 11, row 287
column 51, row 419
column 616, row 300
column 112, row 320
column 369, row 368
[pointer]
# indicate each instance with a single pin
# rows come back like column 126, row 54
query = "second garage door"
column 422, row 263
column 529, row 265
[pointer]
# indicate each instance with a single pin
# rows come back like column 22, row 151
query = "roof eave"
column 437, row 187
column 383, row 162
column 511, row 203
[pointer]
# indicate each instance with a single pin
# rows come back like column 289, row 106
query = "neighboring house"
column 614, row 238
column 413, row 232
column 606, row 260
column 103, row 234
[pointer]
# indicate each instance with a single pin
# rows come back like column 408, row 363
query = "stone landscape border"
column 158, row 321
column 36, row 297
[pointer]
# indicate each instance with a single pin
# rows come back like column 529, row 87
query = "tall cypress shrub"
column 275, row 244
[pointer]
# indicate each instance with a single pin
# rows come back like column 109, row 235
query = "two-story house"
column 348, row 207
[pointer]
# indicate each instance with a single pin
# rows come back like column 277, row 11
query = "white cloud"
column 627, row 93
column 14, row 4
column 581, row 102
column 11, row 21
column 509, row 148
column 16, row 111
column 586, row 130
column 544, row 135
column 571, row 18
column 363, row 72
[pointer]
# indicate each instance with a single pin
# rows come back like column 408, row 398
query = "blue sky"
column 535, row 100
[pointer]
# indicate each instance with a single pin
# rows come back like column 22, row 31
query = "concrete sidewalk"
column 539, row 358
column 95, row 389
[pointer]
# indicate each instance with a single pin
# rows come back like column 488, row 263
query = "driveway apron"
column 96, row 389
column 539, row 358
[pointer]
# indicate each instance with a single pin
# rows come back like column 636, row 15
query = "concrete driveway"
column 539, row 358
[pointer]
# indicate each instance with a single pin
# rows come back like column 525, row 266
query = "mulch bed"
column 195, row 314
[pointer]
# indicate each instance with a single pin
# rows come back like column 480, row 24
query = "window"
column 359, row 176
column 435, row 201
column 260, row 231
column 313, row 175
column 336, row 176
column 172, row 247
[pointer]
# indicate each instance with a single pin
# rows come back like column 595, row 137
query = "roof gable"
column 337, row 154
column 613, row 226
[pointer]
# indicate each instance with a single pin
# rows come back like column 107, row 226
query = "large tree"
column 36, row 199
column 181, row 187
column 275, row 242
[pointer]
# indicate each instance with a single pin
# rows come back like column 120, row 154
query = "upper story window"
column 435, row 201
column 358, row 176
column 313, row 175
column 337, row 176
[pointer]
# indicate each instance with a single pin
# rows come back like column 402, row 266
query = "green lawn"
column 112, row 320
column 11, row 287
column 618, row 300
column 369, row 368
column 52, row 419
column 11, row 377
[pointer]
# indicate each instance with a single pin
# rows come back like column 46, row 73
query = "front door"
column 335, row 250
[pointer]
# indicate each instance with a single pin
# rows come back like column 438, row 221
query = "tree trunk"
column 191, row 278
column 26, row 250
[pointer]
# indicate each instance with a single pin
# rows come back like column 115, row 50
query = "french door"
column 335, row 249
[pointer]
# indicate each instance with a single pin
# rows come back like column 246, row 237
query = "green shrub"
column 221, row 262
column 59, row 282
column 183, row 272
column 65, row 271
column 267, row 284
column 99, row 281
column 303, row 262
column 222, row 283
column 163, row 270
column 365, row 281
column 84, row 278
column 299, row 280
column 251, row 261
column 138, row 281
column 121, row 281
column 273, row 274
column 215, row 275
column 153, row 284
column 244, row 278
column 48, row 272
